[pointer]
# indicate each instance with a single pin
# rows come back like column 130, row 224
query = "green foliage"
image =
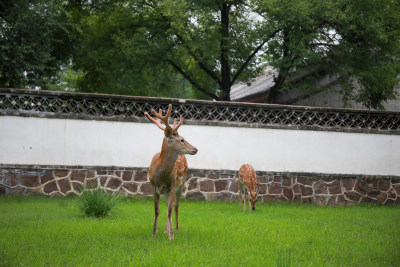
column 35, row 39
column 96, row 202
column 160, row 47
column 200, row 49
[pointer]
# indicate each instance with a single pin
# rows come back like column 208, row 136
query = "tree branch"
column 192, row 82
column 252, row 55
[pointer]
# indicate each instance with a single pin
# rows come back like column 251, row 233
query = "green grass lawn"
column 39, row 231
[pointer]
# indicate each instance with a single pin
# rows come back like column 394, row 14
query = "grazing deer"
column 247, row 184
column 168, row 168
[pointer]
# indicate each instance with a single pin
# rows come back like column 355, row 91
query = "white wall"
column 44, row 141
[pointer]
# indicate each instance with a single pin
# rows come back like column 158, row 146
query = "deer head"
column 253, row 195
column 172, row 140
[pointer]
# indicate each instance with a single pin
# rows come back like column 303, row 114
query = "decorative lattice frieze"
column 47, row 103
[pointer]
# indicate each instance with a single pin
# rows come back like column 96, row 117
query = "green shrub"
column 96, row 202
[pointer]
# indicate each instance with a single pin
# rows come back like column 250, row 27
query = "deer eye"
column 182, row 140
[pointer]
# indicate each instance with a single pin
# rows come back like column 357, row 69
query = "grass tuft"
column 96, row 202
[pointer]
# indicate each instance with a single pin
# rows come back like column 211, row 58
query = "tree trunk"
column 225, row 85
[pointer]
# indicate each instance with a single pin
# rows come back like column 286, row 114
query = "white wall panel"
column 44, row 141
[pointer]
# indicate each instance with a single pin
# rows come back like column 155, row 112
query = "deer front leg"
column 244, row 198
column 178, row 197
column 156, row 197
column 171, row 203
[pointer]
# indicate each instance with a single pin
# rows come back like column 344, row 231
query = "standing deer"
column 247, row 185
column 168, row 168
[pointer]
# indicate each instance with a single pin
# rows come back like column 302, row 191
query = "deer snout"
column 193, row 151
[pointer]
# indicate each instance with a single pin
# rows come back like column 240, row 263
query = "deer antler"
column 164, row 118
column 159, row 117
column 176, row 127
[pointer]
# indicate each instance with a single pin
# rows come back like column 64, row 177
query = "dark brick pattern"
column 208, row 185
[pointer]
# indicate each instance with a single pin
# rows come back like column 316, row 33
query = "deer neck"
column 167, row 158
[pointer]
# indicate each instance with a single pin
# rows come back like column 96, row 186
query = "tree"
column 349, row 39
column 115, row 56
column 215, row 43
column 35, row 40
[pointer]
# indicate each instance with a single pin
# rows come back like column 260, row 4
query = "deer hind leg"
column 156, row 197
column 240, row 193
column 244, row 197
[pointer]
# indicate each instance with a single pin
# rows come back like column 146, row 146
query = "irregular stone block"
column 193, row 182
column 234, row 186
column 373, row 193
column 91, row 183
column 263, row 189
column 17, row 191
column 304, row 181
column 207, row 186
column 320, row 200
column 277, row 179
column 141, row 177
column 146, row 189
column 287, row 181
column 220, row 185
column 3, row 190
column 195, row 195
column 340, row 201
column 61, row 173
column 335, row 188
column 392, row 193
column 77, row 187
column 114, row 183
column 384, row 185
column 262, row 179
column 29, row 180
column 50, row 188
column 331, row 201
column 64, row 185
column 372, row 182
column 213, row 176
column 320, row 188
column 223, row 196
column 90, row 174
column 48, row 176
column 275, row 189
column 78, row 176
column 211, row 196
column 11, row 180
column 132, row 188
column 353, row 196
column 306, row 191
column 382, row 197
column 288, row 193
column 103, row 180
column 396, row 187
column 127, row 176
column 348, row 184
column 361, row 187
column 296, row 189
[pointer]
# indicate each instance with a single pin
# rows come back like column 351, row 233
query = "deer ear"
column 168, row 132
